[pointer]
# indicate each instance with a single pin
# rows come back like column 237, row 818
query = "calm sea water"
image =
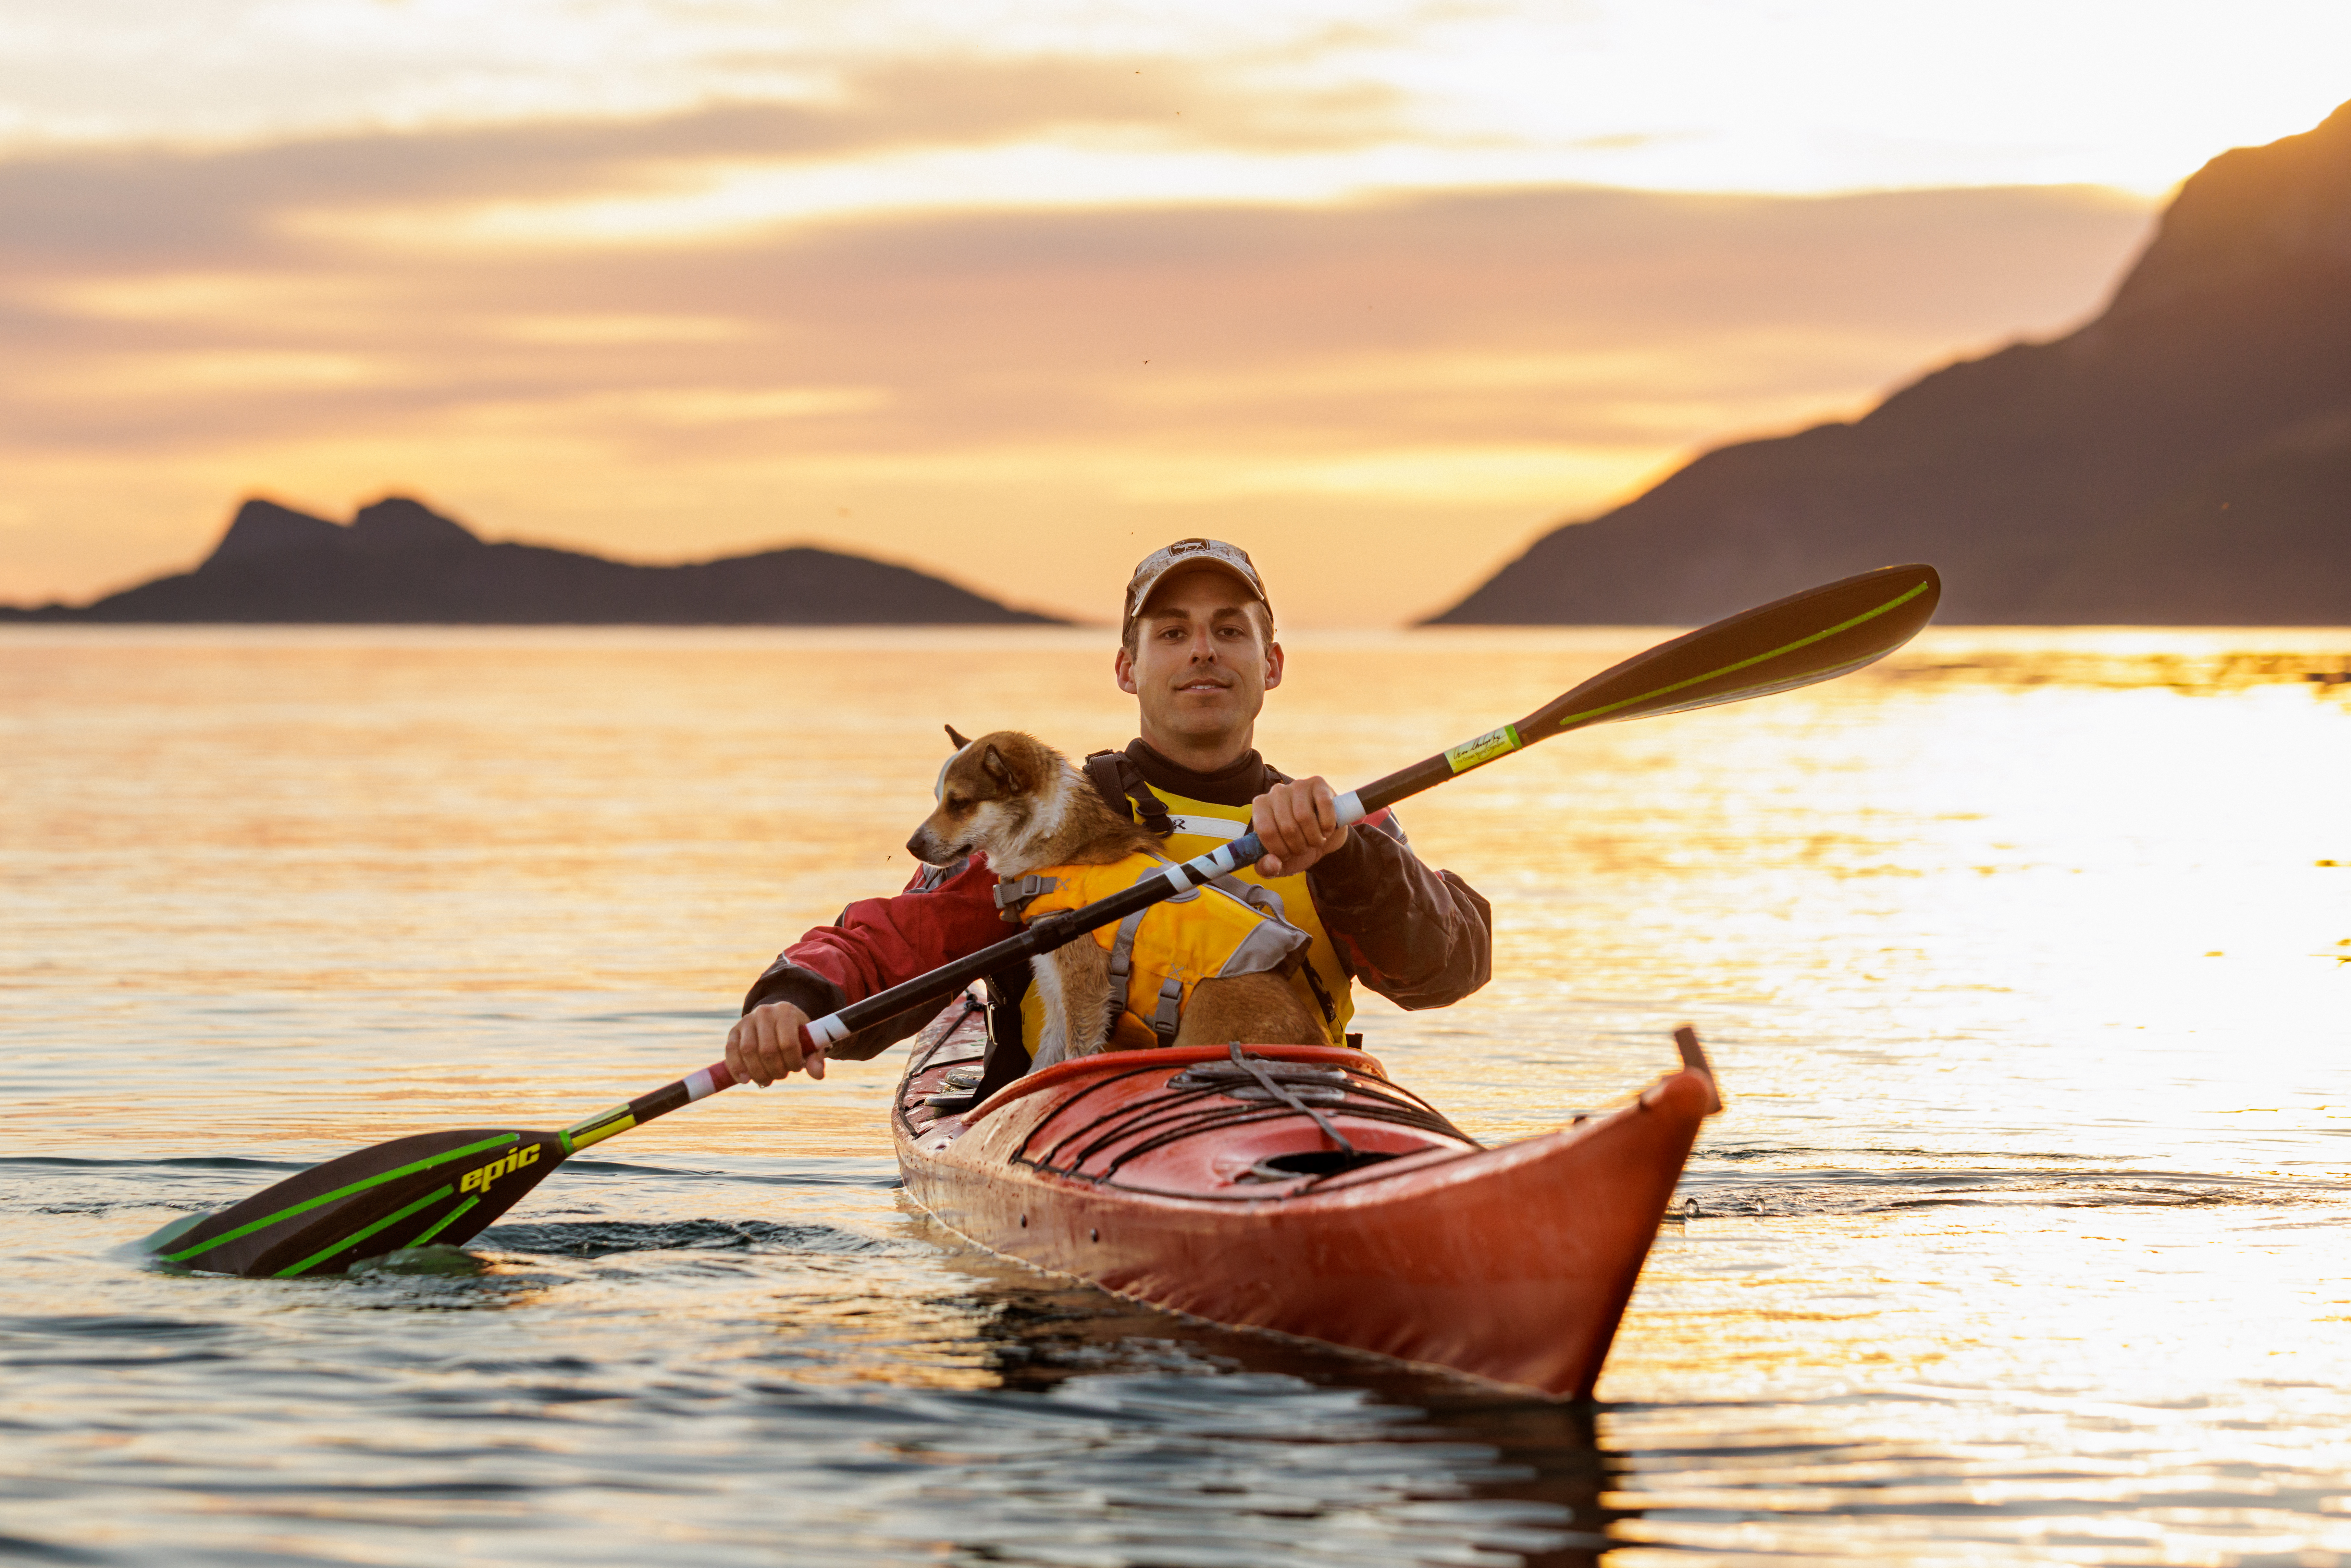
column 2025, row 960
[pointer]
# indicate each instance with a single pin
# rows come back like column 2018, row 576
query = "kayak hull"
column 1144, row 1173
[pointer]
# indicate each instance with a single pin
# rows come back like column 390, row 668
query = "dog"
column 1021, row 804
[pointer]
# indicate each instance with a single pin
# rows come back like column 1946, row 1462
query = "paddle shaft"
column 1051, row 931
column 1792, row 641
column 1740, row 656
column 645, row 1107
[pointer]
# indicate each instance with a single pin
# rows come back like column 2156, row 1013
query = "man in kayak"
column 1198, row 652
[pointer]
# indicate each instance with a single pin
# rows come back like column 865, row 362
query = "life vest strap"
column 1117, row 780
column 1169, row 1015
column 1256, row 894
column 1012, row 894
column 1322, row 995
column 1121, row 971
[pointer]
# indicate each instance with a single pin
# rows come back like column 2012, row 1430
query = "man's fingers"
column 787, row 1037
column 1326, row 808
column 759, row 1061
column 1276, row 832
column 1290, row 842
column 758, row 1051
column 763, row 1045
column 1331, row 832
column 1299, row 823
column 742, row 1050
column 1297, row 819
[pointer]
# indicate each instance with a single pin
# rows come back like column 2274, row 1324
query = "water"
column 2023, row 958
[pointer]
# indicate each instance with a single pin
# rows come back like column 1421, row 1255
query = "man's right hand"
column 765, row 1045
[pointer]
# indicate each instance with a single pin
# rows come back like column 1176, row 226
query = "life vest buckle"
column 1011, row 895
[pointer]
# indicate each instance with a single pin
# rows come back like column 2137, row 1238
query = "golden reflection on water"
column 2021, row 956
column 1920, row 872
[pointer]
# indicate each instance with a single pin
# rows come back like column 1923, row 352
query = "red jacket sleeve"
column 942, row 916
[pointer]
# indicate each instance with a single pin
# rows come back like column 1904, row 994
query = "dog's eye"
column 956, row 802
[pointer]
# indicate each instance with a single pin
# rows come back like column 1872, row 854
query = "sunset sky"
column 1016, row 293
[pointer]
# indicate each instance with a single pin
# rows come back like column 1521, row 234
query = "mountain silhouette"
column 2183, row 459
column 398, row 562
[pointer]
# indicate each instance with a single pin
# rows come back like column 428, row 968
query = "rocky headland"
column 399, row 562
column 2183, row 459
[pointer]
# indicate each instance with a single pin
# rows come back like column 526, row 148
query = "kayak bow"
column 1298, row 1190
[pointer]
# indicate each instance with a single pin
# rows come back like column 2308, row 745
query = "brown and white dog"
column 1019, row 801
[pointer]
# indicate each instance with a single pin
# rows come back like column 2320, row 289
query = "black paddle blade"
column 1811, row 636
column 436, row 1188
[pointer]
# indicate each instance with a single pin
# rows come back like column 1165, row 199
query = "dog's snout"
column 931, row 849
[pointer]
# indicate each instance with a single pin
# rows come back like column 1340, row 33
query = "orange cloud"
column 1381, row 397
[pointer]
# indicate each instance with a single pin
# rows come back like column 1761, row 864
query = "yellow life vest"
column 1157, row 955
column 1202, row 826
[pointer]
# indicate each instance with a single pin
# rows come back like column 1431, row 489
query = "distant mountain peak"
column 2183, row 459
column 399, row 523
column 2249, row 213
column 398, row 562
column 263, row 528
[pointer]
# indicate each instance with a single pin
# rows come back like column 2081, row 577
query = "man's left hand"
column 1299, row 823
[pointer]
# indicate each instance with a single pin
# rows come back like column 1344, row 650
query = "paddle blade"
column 438, row 1187
column 1812, row 636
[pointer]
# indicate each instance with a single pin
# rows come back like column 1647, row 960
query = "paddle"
column 1795, row 642
column 443, row 1188
column 446, row 1187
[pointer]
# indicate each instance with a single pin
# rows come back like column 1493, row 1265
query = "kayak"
column 1299, row 1190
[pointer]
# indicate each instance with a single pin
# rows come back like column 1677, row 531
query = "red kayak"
column 1296, row 1188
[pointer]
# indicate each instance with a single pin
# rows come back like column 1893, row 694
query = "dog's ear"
column 958, row 741
column 992, row 763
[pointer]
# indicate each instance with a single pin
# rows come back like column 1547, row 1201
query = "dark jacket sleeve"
column 1420, row 937
column 941, row 917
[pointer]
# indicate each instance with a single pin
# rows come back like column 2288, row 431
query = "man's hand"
column 1299, row 823
column 765, row 1045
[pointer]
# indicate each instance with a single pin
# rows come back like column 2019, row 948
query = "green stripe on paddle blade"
column 302, row 1205
column 433, row 1232
column 1806, row 637
column 447, row 1186
column 357, row 1237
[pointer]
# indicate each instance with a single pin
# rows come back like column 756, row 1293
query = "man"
column 1198, row 651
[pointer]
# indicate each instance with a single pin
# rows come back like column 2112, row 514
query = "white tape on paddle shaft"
column 827, row 1029
column 699, row 1086
column 1350, row 807
column 1218, row 862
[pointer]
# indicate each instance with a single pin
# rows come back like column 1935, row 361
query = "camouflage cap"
column 1183, row 555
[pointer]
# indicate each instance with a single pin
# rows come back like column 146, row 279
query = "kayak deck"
column 1298, row 1190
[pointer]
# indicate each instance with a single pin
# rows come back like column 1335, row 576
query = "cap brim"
column 1139, row 593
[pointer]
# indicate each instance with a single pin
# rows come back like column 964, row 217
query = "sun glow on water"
column 2020, row 956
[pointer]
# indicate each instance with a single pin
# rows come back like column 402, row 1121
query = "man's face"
column 1199, row 667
